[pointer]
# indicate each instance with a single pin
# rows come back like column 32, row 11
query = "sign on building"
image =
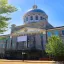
column 21, row 38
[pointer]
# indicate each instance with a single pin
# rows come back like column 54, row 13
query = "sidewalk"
column 4, row 61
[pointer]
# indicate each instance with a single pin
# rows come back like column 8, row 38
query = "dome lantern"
column 35, row 7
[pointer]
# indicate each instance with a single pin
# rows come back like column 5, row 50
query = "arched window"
column 41, row 18
column 31, row 18
column 36, row 17
column 26, row 18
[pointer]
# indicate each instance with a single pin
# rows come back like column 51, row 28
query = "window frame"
column 41, row 18
column 26, row 18
column 36, row 17
column 31, row 17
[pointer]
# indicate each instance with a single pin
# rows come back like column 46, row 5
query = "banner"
column 21, row 38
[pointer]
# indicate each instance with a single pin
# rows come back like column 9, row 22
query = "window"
column 62, row 32
column 41, row 18
column 26, row 18
column 31, row 18
column 56, row 32
column 49, row 34
column 36, row 17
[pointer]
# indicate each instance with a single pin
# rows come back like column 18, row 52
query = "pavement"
column 4, row 61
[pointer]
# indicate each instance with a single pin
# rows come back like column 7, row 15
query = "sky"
column 53, row 8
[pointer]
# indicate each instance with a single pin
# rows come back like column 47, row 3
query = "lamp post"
column 23, row 52
column 23, row 55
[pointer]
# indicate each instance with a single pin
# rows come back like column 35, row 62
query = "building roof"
column 56, row 28
column 35, row 10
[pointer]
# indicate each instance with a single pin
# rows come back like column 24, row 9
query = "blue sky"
column 53, row 8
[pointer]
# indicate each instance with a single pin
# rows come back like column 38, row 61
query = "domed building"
column 35, row 15
column 30, row 39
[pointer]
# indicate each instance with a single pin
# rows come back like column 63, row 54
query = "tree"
column 55, row 47
column 4, row 37
column 5, row 10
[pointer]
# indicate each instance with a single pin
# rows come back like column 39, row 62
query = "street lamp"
column 23, row 52
column 23, row 55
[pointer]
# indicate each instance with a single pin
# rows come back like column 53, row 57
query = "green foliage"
column 4, row 37
column 55, row 46
column 5, row 10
